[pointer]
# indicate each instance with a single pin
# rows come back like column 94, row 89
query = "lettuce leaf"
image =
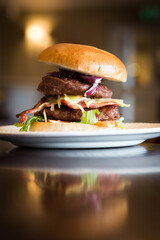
column 119, row 122
column 26, row 124
column 17, row 124
column 89, row 117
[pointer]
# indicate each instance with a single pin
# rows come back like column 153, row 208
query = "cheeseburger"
column 74, row 99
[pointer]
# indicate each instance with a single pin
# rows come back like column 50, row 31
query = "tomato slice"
column 107, row 124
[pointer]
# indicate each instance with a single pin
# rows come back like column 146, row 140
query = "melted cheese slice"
column 75, row 100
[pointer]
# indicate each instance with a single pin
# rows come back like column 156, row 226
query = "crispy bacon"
column 84, row 105
column 36, row 108
column 42, row 101
column 23, row 118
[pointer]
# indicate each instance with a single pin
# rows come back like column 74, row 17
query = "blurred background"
column 128, row 29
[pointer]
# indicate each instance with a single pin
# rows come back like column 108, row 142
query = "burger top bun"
column 85, row 59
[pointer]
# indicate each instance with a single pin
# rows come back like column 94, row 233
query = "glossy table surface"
column 80, row 194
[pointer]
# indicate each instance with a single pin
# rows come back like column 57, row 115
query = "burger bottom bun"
column 61, row 126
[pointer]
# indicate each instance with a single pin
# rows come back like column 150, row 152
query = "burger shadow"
column 112, row 160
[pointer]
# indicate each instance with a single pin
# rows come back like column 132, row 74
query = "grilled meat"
column 73, row 115
column 52, row 86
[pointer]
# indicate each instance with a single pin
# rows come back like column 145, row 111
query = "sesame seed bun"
column 85, row 59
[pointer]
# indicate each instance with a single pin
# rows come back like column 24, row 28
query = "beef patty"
column 52, row 86
column 73, row 115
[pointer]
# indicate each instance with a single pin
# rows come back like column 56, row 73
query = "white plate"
column 131, row 134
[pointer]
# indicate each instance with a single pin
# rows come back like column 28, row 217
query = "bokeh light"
column 38, row 32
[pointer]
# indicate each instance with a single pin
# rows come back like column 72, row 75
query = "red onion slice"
column 95, row 86
column 91, row 79
column 75, row 75
column 65, row 74
column 92, row 90
column 54, row 74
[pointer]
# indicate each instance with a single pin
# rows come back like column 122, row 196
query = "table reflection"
column 80, row 194
column 65, row 206
column 128, row 160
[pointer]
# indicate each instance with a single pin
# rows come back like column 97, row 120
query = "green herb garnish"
column 89, row 117
column 26, row 124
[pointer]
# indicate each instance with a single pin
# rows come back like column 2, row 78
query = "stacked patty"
column 52, row 86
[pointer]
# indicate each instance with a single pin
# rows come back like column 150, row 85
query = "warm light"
column 35, row 32
column 38, row 32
